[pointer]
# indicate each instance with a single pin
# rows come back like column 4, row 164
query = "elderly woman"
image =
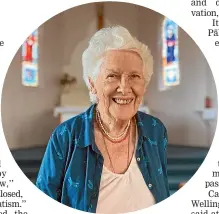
column 111, row 158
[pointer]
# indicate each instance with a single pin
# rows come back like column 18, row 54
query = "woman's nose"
column 124, row 86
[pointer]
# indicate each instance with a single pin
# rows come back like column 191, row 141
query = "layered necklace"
column 116, row 139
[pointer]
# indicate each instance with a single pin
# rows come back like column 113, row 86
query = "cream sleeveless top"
column 122, row 193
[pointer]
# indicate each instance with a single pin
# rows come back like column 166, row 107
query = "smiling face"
column 120, row 85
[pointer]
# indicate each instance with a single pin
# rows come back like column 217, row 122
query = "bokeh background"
column 188, row 110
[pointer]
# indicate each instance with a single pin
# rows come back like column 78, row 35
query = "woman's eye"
column 135, row 76
column 111, row 76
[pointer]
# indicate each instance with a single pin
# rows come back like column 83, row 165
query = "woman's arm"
column 163, row 158
column 52, row 169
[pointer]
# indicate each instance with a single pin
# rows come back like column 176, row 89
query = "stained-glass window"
column 30, row 60
column 170, row 50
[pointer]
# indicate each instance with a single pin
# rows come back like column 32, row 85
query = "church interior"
column 188, row 109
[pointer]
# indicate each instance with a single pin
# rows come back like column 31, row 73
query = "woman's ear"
column 92, row 88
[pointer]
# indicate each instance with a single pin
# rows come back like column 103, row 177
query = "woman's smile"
column 123, row 101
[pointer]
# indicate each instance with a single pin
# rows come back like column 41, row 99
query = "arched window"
column 170, row 50
column 30, row 60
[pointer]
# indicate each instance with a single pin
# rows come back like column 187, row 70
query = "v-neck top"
column 122, row 193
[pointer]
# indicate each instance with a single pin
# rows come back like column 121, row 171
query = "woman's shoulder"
column 150, row 120
column 153, row 128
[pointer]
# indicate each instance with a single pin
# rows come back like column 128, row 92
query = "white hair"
column 112, row 38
